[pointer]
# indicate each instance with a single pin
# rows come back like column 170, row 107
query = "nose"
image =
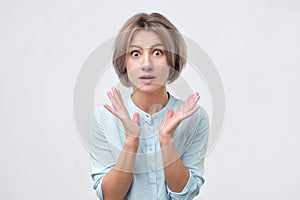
column 146, row 65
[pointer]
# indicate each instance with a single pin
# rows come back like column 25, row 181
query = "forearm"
column 116, row 182
column 176, row 173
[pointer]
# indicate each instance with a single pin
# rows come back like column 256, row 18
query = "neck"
column 150, row 102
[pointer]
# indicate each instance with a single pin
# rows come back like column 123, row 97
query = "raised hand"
column 119, row 110
column 172, row 121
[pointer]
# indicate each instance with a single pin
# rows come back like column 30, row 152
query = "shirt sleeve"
column 193, row 159
column 102, row 159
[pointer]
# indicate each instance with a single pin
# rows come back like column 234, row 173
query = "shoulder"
column 101, row 114
column 96, row 118
column 107, row 124
column 202, row 114
column 104, row 119
column 199, row 119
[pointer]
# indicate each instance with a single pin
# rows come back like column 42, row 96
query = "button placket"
column 149, row 148
column 148, row 119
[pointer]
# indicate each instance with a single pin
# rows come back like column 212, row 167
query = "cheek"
column 129, row 66
column 129, row 69
column 132, row 73
column 132, row 65
column 162, row 62
column 164, row 74
column 165, row 70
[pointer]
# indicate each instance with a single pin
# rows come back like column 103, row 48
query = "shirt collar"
column 132, row 108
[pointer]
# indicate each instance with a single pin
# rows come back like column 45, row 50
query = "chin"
column 150, row 88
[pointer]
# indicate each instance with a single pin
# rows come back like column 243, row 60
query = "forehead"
column 145, row 39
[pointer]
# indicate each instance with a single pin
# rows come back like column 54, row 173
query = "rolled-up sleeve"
column 193, row 159
column 190, row 190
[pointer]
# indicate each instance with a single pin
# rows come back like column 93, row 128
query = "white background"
column 254, row 45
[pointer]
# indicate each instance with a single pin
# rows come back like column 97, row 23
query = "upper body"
column 190, row 139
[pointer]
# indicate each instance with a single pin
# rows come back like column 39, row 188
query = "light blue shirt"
column 106, row 137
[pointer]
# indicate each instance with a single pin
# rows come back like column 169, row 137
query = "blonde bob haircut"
column 175, row 47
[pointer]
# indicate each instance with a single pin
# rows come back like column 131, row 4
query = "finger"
column 191, row 112
column 187, row 101
column 186, row 107
column 188, row 104
column 114, row 90
column 196, row 96
column 118, row 96
column 112, row 99
column 109, row 94
column 195, row 108
column 195, row 101
column 136, row 117
column 193, row 97
column 117, row 91
column 191, row 102
column 108, row 108
column 170, row 114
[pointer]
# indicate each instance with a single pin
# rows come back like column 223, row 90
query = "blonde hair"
column 171, row 38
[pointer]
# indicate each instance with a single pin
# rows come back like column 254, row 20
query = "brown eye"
column 135, row 53
column 158, row 52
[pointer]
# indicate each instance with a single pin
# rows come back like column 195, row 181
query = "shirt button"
column 148, row 121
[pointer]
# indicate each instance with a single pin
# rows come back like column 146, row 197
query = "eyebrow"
column 137, row 46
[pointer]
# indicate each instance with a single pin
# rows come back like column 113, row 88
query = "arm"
column 193, row 157
column 176, row 173
column 116, row 182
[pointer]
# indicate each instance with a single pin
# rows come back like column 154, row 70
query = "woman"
column 152, row 146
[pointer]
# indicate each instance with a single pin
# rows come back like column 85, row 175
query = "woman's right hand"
column 119, row 110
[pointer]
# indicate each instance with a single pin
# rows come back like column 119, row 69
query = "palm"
column 172, row 121
column 119, row 110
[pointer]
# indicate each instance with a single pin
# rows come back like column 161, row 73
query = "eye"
column 135, row 53
column 158, row 52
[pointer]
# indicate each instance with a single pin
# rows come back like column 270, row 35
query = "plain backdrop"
column 254, row 45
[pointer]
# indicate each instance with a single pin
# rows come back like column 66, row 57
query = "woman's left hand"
column 172, row 121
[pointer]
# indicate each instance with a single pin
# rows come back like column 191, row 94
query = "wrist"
column 131, row 144
column 165, row 139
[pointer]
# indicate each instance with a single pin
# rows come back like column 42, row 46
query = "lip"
column 147, row 79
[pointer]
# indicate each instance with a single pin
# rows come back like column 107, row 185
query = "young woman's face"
column 146, row 64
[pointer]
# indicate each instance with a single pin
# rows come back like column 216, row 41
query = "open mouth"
column 147, row 79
